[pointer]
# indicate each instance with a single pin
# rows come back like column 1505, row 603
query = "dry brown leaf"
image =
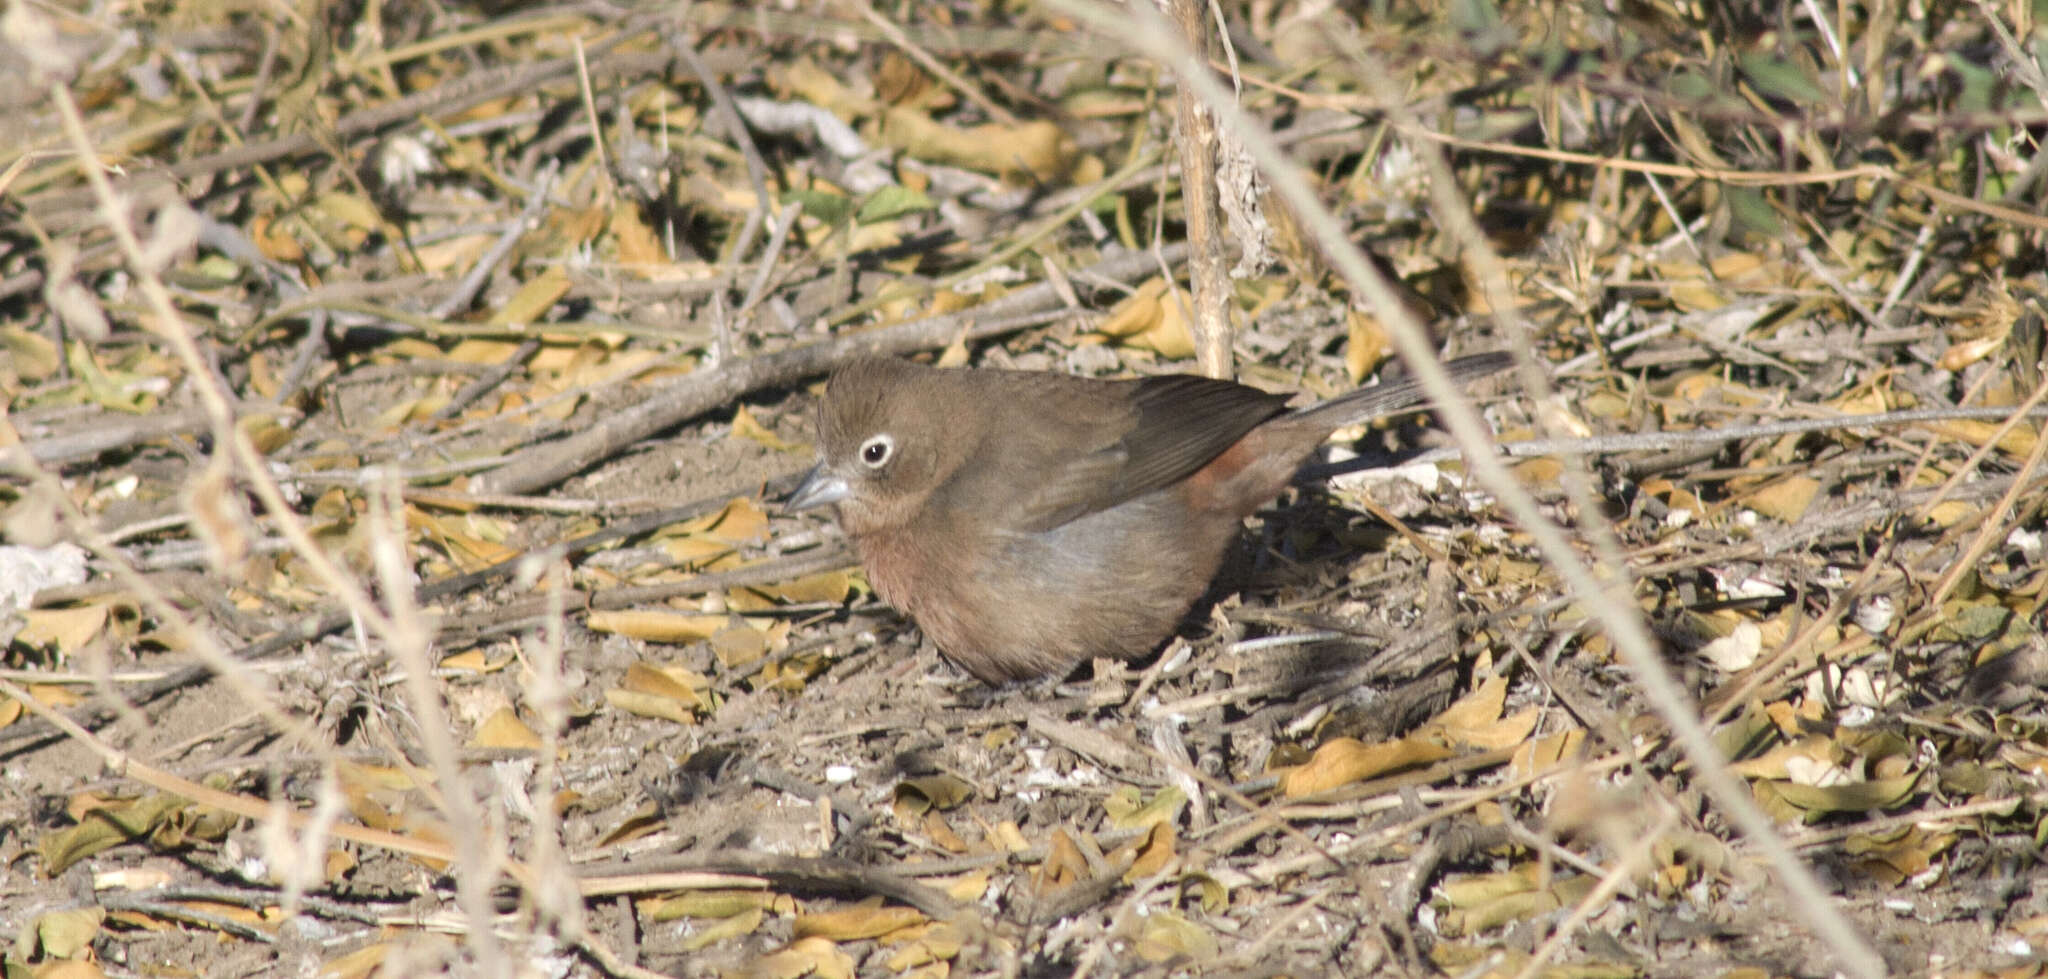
column 1342, row 761
column 1167, row 936
column 1785, row 499
column 654, row 625
column 477, row 661
column 1063, row 866
column 533, row 300
column 1548, row 753
column 817, row 957
column 916, row 796
column 1366, row 346
column 1127, row 809
column 713, row 903
column 936, row 942
column 719, row 929
column 868, row 919
column 67, row 630
column 668, row 692
column 1151, row 853
column 745, row 426
column 504, row 729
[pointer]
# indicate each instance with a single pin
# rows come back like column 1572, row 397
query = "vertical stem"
column 1207, row 277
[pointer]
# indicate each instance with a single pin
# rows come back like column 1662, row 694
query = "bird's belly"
column 1012, row 605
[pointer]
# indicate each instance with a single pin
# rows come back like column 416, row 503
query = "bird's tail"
column 1391, row 396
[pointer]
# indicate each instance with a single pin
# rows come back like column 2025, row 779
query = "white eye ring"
column 877, row 451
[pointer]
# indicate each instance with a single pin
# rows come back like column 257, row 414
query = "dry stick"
column 1638, row 859
column 917, row 53
column 694, row 394
column 1994, row 522
column 316, row 626
column 1810, row 901
column 262, row 810
column 121, row 764
column 464, row 92
column 1207, row 277
column 789, row 872
column 213, row 399
column 528, row 219
column 1976, row 459
column 407, row 642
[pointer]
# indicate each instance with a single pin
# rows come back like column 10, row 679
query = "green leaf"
column 892, row 202
column 1782, row 79
column 825, row 206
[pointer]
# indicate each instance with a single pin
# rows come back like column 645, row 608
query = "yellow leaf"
column 1166, row 936
column 1477, row 709
column 477, row 661
column 33, row 356
column 534, row 298
column 453, row 254
column 359, row 964
column 65, row 629
column 644, row 821
column 504, row 729
column 739, row 522
column 825, row 586
column 702, row 553
column 654, row 625
column 739, row 645
column 721, row 929
column 1038, row 148
column 936, row 942
column 486, row 351
column 351, row 211
column 1367, row 345
column 920, row 795
column 867, row 919
column 1127, row 811
column 1173, row 337
column 747, row 427
column 966, row 888
column 639, row 248
column 339, row 863
column 1695, row 295
column 804, row 957
column 1785, row 499
column 1968, row 352
column 108, row 825
column 1063, row 865
column 1154, row 852
column 1505, row 732
column 672, row 693
column 1541, row 473
column 2019, row 441
column 277, row 244
column 67, row 934
column 714, row 903
column 1344, row 760
column 1138, row 312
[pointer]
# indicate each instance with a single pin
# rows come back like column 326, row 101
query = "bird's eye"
column 875, row 452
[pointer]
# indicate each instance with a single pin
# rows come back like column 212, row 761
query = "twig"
column 529, row 218
column 1624, row 624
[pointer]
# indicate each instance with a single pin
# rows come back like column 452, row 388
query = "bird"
column 1028, row 521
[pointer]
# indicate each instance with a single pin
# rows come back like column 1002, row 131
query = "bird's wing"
column 1162, row 430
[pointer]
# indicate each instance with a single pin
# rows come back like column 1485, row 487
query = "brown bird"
column 1029, row 520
